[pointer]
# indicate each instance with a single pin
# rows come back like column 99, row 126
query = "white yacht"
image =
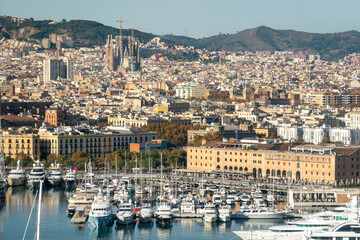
column 100, row 214
column 55, row 177
column 224, row 213
column 125, row 214
column 122, row 195
column 37, row 174
column 146, row 213
column 217, row 199
column 110, row 188
column 17, row 177
column 188, row 206
column 230, row 199
column 245, row 198
column 210, row 213
column 163, row 215
column 70, row 177
column 348, row 231
column 279, row 232
column 295, row 230
column 258, row 197
column 258, row 213
column 270, row 198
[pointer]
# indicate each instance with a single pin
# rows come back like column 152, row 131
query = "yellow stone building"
column 306, row 163
column 27, row 143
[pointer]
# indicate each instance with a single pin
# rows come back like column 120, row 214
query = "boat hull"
column 145, row 219
column 125, row 220
column 254, row 235
column 259, row 216
column 54, row 182
column 224, row 218
column 33, row 184
column 16, row 181
column 100, row 222
column 208, row 218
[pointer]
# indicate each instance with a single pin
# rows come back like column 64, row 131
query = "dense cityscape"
column 213, row 135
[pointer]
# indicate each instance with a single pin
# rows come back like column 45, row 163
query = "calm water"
column 55, row 224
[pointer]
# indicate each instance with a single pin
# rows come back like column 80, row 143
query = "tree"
column 52, row 158
column 24, row 158
column 215, row 136
column 79, row 159
column 175, row 157
column 175, row 134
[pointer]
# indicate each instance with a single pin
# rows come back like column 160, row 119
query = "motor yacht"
column 163, row 215
column 100, row 214
column 245, row 198
column 55, row 175
column 125, row 214
column 188, row 206
column 230, row 199
column 217, row 199
column 224, row 213
column 210, row 213
column 258, row 213
column 347, row 230
column 37, row 174
column 70, row 177
column 146, row 213
column 17, row 177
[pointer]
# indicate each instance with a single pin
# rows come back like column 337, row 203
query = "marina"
column 99, row 205
column 57, row 225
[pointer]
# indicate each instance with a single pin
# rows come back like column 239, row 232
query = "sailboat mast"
column 161, row 175
column 116, row 165
column 125, row 161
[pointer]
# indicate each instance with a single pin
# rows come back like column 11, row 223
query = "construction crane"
column 121, row 21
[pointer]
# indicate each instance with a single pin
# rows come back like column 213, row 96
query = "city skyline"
column 199, row 19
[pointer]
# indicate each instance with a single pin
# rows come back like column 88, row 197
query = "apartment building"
column 97, row 144
column 15, row 143
column 307, row 163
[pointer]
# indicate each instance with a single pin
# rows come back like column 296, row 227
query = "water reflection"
column 56, row 225
column 224, row 227
column 100, row 233
column 256, row 224
column 145, row 228
column 125, row 231
column 163, row 233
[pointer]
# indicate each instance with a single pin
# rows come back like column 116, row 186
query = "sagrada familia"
column 122, row 54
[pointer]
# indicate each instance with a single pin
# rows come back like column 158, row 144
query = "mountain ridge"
column 85, row 33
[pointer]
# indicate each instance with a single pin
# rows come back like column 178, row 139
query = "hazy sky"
column 197, row 18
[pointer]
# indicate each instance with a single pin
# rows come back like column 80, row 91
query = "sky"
column 197, row 18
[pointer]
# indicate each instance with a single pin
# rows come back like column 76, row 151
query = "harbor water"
column 15, row 212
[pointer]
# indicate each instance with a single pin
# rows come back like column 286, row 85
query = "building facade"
column 307, row 163
column 96, row 144
column 54, row 68
column 26, row 143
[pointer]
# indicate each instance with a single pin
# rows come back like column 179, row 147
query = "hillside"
column 330, row 46
column 84, row 33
